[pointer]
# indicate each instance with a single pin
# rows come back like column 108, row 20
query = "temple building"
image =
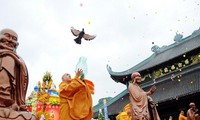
column 174, row 69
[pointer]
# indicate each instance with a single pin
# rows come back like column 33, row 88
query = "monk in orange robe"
column 140, row 100
column 182, row 116
column 75, row 98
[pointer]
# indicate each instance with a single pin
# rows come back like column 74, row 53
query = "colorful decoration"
column 166, row 70
column 125, row 114
column 31, row 103
column 186, row 61
column 169, row 69
column 105, row 109
column 173, row 67
column 180, row 65
column 47, row 80
column 44, row 93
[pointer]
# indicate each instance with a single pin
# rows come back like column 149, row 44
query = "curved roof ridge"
column 171, row 50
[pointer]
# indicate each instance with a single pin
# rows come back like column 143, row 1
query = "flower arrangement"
column 47, row 77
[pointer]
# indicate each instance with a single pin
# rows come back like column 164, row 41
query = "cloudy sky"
column 126, row 30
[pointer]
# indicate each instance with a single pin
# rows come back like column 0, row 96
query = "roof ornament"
column 196, row 32
column 108, row 67
column 155, row 48
column 178, row 37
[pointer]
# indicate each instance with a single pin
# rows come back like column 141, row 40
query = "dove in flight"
column 81, row 34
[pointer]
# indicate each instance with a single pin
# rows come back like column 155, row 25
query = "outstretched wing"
column 88, row 37
column 74, row 31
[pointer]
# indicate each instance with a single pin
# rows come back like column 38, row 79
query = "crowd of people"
column 192, row 113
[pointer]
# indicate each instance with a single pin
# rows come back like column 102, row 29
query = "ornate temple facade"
column 174, row 69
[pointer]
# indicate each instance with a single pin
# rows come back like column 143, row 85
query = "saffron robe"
column 182, row 117
column 75, row 100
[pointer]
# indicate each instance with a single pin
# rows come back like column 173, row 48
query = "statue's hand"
column 153, row 89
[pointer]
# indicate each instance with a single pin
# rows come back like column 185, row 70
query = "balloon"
column 81, row 4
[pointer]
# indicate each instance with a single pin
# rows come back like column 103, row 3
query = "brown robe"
column 139, row 101
column 192, row 115
column 14, row 73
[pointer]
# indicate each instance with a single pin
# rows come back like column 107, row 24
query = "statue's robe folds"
column 140, row 102
column 13, row 87
column 14, row 75
column 75, row 100
column 192, row 115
